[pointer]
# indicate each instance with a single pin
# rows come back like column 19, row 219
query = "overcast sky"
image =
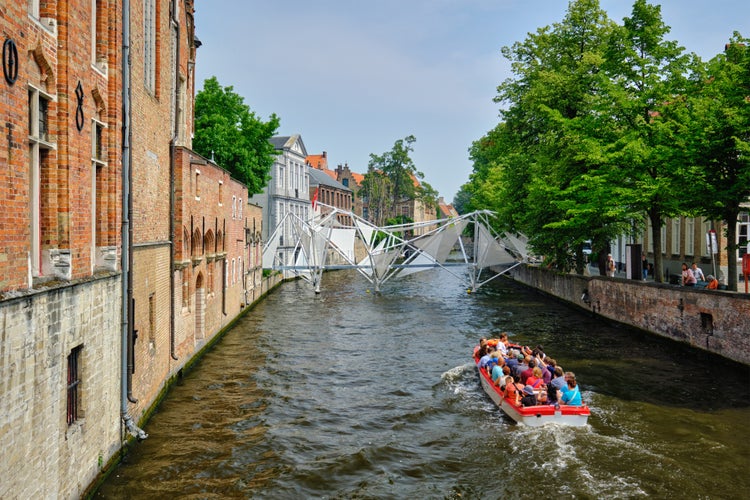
column 353, row 76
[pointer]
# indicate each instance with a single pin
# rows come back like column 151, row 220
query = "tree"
column 227, row 131
column 554, row 174
column 462, row 199
column 718, row 142
column 647, row 76
column 390, row 180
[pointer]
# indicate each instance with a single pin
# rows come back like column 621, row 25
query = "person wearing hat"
column 713, row 283
column 529, row 398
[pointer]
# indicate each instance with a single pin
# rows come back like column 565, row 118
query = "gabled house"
column 287, row 195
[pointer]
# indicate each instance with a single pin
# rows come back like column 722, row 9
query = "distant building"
column 353, row 181
column 446, row 210
column 287, row 195
column 330, row 192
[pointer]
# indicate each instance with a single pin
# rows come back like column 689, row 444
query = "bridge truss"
column 326, row 243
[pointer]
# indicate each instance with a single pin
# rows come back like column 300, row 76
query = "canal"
column 351, row 394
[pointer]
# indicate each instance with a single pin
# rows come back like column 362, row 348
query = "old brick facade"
column 60, row 175
column 195, row 246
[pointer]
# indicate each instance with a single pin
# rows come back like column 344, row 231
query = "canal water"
column 352, row 394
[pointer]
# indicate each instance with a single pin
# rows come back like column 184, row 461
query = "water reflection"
column 353, row 394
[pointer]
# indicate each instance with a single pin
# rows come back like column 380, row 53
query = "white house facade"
column 287, row 193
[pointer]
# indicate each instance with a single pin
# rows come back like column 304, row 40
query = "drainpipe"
column 126, row 233
column 172, row 144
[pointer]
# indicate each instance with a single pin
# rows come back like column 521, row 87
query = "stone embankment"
column 715, row 321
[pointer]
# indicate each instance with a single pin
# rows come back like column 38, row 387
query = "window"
column 676, row 236
column 221, row 193
column 345, row 182
column 149, row 45
column 39, row 146
column 743, row 233
column 74, row 384
column 34, row 8
column 690, row 237
column 197, row 188
column 98, row 34
column 98, row 184
column 239, row 208
column 234, row 207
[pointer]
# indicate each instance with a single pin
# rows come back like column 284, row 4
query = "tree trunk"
column 655, row 217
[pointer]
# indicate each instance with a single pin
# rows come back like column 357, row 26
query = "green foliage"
column 227, row 131
column 390, row 180
column 603, row 124
column 717, row 141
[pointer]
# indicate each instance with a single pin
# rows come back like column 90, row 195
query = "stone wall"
column 715, row 321
column 41, row 455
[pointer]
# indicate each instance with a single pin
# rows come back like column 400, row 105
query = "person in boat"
column 485, row 359
column 522, row 366
column 479, row 348
column 512, row 360
column 498, row 369
column 548, row 370
column 503, row 345
column 557, row 383
column 529, row 398
column 572, row 396
column 511, row 390
column 535, row 380
column 492, row 363
column 528, row 372
column 500, row 382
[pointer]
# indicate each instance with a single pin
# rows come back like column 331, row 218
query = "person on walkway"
column 713, row 283
column 698, row 272
column 644, row 263
column 687, row 275
column 610, row 266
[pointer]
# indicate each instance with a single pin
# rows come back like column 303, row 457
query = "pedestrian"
column 687, row 276
column 698, row 272
column 644, row 263
column 610, row 266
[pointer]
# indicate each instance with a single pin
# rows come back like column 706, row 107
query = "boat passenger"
column 521, row 367
column 529, row 371
column 503, row 345
column 556, row 384
column 497, row 369
column 500, row 381
column 535, row 380
column 494, row 360
column 484, row 360
column 529, row 398
column 549, row 365
column 511, row 390
column 572, row 396
column 480, row 347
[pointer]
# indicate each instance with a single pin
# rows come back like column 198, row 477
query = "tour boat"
column 533, row 415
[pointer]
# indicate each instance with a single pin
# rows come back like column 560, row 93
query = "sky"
column 353, row 76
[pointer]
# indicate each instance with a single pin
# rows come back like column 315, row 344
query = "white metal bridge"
column 326, row 243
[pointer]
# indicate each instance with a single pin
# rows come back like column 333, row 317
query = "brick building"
column 60, row 292
column 186, row 267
